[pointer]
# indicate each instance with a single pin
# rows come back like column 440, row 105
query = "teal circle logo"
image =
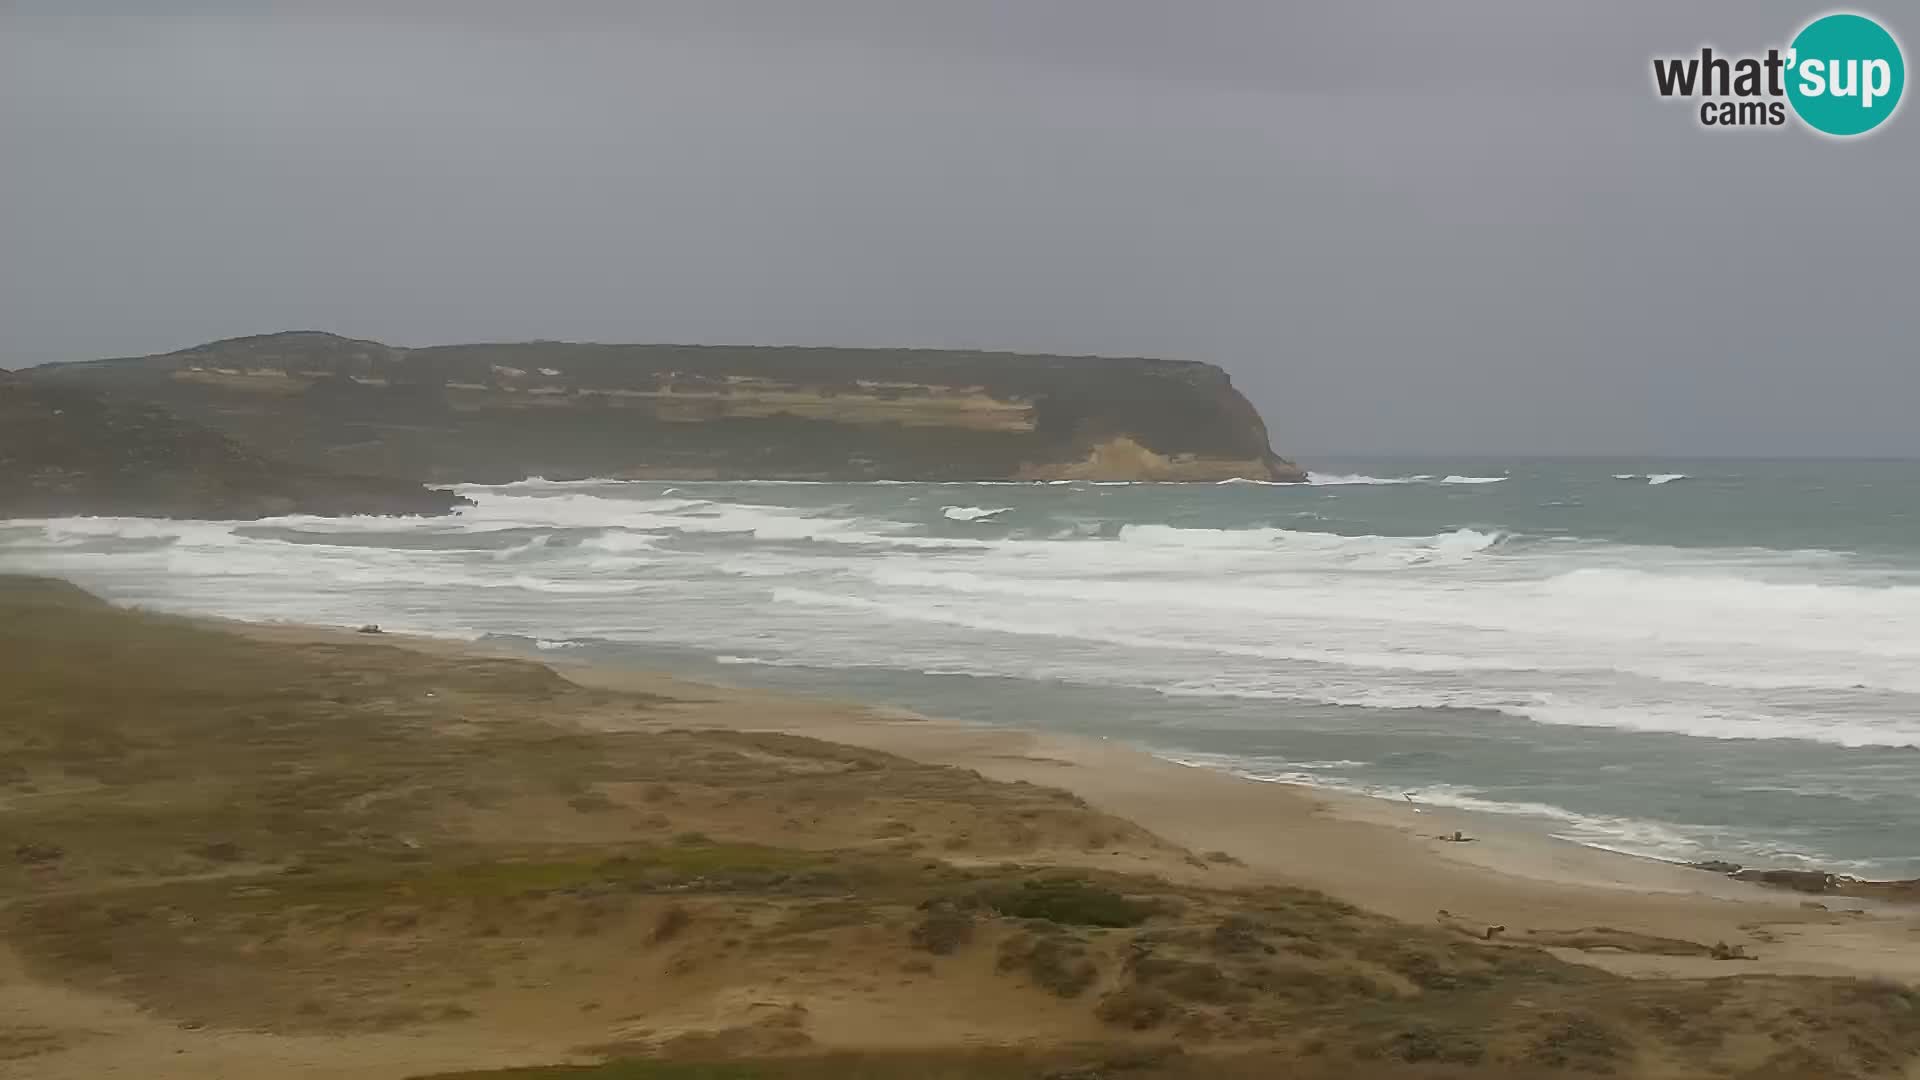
column 1845, row 74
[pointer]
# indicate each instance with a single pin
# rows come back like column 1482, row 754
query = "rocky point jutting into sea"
column 501, row 412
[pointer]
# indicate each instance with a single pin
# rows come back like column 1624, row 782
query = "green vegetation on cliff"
column 69, row 450
column 569, row 410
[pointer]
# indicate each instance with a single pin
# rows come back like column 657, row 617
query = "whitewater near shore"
column 1685, row 660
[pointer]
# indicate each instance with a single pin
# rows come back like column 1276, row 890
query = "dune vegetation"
column 283, row 851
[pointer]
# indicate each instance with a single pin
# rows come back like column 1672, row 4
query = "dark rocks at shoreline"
column 1806, row 881
column 1817, row 882
column 1717, row 866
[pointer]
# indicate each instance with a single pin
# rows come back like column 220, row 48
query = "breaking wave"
column 1315, row 479
column 972, row 513
column 1343, row 479
column 1649, row 838
column 1709, row 643
column 1439, row 611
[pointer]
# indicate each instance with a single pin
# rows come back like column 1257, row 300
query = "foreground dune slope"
column 231, row 854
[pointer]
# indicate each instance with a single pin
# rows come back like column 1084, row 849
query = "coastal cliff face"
column 564, row 410
column 69, row 450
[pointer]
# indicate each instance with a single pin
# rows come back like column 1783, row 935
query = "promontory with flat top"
column 497, row 412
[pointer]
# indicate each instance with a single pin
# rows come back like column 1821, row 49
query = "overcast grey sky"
column 1417, row 226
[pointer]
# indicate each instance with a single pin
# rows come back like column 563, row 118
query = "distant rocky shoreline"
column 1817, row 882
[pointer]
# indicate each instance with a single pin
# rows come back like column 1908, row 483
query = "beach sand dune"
column 239, row 850
column 1387, row 857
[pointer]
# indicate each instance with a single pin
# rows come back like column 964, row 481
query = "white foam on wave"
column 1734, row 659
column 1723, row 724
column 527, row 547
column 1657, row 839
column 620, row 540
column 1709, row 643
column 973, row 513
column 1729, row 644
column 731, row 660
column 1698, row 721
column 571, row 509
column 1644, row 837
column 1363, row 688
column 1318, row 479
column 1360, row 671
column 1654, row 479
column 1454, row 545
column 581, row 587
column 628, row 524
column 70, row 532
column 540, row 483
column 1722, row 609
column 1004, row 619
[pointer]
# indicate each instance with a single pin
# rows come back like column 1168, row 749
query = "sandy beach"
column 1387, row 857
column 293, row 852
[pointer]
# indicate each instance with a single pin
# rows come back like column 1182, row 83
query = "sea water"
column 1688, row 660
